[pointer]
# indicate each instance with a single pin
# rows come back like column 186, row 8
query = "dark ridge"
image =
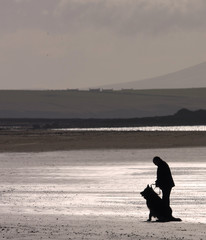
column 185, row 113
column 182, row 117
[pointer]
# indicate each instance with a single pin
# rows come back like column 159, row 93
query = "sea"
column 101, row 183
column 135, row 129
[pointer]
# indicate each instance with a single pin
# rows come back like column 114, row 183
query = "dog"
column 157, row 208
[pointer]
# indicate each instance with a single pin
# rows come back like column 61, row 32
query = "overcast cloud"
column 82, row 43
column 120, row 16
column 135, row 16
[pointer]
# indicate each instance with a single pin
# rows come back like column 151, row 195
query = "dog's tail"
column 175, row 219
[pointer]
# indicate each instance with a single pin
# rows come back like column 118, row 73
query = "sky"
column 61, row 44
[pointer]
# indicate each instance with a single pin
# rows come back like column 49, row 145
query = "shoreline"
column 50, row 140
column 52, row 198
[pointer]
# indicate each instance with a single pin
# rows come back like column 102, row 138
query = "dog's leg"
column 150, row 217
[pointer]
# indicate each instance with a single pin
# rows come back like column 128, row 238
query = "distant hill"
column 192, row 77
column 69, row 104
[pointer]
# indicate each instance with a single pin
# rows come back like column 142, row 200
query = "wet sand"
column 40, row 224
column 49, row 140
column 33, row 227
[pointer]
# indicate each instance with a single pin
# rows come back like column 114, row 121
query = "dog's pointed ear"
column 147, row 185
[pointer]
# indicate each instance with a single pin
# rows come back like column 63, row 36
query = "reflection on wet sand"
column 99, row 183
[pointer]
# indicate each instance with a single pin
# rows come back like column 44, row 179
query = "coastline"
column 18, row 186
column 50, row 140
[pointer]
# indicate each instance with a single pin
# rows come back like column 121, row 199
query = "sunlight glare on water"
column 135, row 129
column 100, row 182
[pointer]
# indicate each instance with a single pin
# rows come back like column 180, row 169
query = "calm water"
column 100, row 183
column 131, row 129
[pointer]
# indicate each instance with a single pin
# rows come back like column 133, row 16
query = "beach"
column 60, row 185
column 76, row 228
column 50, row 140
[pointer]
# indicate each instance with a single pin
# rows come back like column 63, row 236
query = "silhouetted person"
column 164, row 179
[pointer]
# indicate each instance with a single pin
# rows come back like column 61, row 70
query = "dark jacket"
column 164, row 176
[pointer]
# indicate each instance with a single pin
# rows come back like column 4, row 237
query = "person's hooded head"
column 157, row 160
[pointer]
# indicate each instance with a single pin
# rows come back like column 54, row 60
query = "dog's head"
column 147, row 192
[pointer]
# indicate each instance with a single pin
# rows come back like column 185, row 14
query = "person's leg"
column 166, row 196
